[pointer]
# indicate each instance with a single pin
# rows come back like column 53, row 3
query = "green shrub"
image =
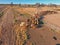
column 1, row 14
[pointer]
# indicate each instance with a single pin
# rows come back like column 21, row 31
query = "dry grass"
column 21, row 34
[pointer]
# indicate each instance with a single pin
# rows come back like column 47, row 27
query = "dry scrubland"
column 12, row 34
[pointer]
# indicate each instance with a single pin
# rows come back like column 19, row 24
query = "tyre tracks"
column 8, row 37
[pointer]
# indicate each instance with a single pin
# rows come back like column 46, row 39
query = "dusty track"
column 8, row 37
column 2, row 7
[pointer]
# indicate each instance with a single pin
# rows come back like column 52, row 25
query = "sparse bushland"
column 21, row 34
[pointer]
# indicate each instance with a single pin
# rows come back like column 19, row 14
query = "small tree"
column 19, row 4
column 11, row 4
column 52, row 5
column 37, row 4
column 43, row 5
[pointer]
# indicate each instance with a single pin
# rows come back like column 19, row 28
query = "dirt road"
column 8, row 37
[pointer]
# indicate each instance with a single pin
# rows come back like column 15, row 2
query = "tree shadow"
column 54, row 38
column 0, row 42
column 57, row 44
column 40, row 21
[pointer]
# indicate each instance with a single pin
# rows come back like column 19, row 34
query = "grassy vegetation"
column 17, row 14
column 26, row 15
column 1, row 14
column 22, row 35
